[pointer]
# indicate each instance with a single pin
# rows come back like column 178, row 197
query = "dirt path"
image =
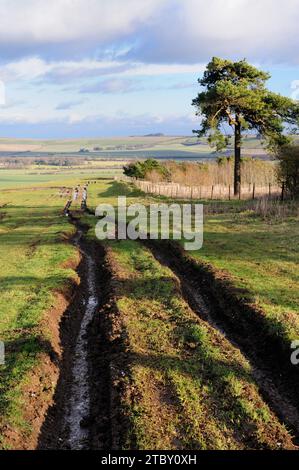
column 86, row 413
column 276, row 378
column 80, row 416
column 79, row 405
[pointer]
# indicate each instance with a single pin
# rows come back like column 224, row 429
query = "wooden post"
column 239, row 192
column 229, row 196
column 212, row 192
column 269, row 189
column 253, row 191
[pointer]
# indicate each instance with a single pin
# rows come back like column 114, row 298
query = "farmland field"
column 181, row 350
column 176, row 147
column 49, row 177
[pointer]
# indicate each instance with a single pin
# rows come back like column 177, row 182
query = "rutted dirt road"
column 80, row 416
column 276, row 377
column 78, row 412
column 87, row 413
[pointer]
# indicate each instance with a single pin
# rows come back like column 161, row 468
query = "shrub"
column 142, row 169
column 288, row 169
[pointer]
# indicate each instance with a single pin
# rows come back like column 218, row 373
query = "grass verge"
column 37, row 272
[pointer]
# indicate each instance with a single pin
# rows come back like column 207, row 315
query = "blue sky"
column 88, row 68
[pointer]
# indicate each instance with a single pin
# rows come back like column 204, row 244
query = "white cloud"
column 112, row 46
column 194, row 30
column 2, row 94
column 43, row 21
column 164, row 69
column 24, row 69
column 31, row 68
column 121, row 118
column 165, row 31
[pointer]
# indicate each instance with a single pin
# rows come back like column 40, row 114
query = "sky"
column 93, row 68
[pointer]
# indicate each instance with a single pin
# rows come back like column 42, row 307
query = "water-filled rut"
column 79, row 404
column 80, row 415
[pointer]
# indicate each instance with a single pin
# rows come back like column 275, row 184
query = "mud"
column 69, row 421
column 215, row 300
column 94, row 369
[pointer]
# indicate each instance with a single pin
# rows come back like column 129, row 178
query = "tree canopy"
column 141, row 168
column 235, row 94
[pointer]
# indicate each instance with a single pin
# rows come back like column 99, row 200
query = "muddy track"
column 85, row 410
column 215, row 302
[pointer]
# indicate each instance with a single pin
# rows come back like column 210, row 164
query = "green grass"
column 33, row 254
column 194, row 390
column 10, row 179
column 261, row 256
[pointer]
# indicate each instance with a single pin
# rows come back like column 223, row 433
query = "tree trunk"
column 237, row 170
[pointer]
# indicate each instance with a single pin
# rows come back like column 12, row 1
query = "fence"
column 217, row 191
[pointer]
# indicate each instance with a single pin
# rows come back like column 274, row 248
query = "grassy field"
column 37, row 263
column 38, row 270
column 165, row 337
column 260, row 255
column 188, row 386
column 36, row 177
column 113, row 143
column 117, row 147
column 262, row 258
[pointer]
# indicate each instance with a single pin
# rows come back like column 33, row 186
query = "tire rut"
column 277, row 380
column 80, row 417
